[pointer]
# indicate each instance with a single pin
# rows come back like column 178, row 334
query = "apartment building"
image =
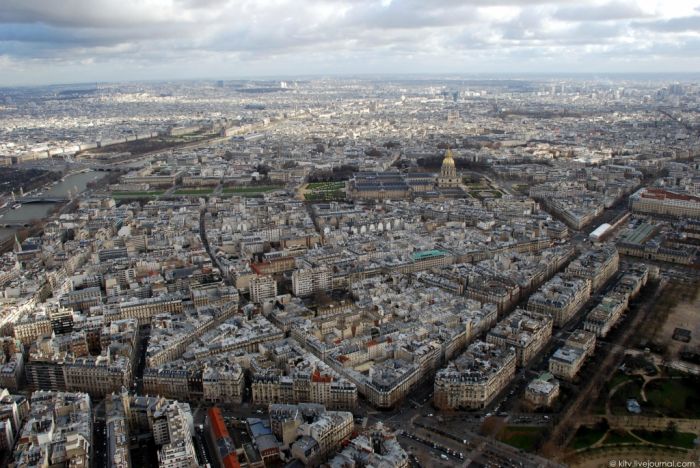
column 173, row 430
column 604, row 316
column 223, row 383
column 261, row 288
column 144, row 309
column 307, row 281
column 313, row 386
column 322, row 437
column 98, row 375
column 474, row 379
column 566, row 361
column 28, row 330
column 560, row 298
column 597, row 265
column 58, row 428
column 526, row 331
column 82, row 299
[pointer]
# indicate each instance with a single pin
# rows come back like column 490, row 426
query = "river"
column 33, row 211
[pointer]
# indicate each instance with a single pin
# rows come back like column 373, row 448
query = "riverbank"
column 14, row 179
column 31, row 213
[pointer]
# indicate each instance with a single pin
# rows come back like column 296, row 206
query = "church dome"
column 448, row 161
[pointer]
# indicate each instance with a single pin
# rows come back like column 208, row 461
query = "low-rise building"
column 542, row 391
column 566, row 361
column 657, row 201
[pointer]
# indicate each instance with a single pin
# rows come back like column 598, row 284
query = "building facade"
column 474, row 379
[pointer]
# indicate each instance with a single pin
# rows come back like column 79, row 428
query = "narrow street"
column 205, row 243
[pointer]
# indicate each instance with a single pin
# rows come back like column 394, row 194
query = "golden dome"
column 448, row 161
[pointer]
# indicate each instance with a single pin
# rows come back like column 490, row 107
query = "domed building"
column 448, row 173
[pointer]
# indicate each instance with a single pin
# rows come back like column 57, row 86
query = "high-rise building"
column 307, row 281
column 262, row 287
column 173, row 430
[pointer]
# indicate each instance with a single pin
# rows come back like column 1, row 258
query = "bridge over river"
column 40, row 199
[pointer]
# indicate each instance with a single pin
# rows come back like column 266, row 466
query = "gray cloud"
column 675, row 25
column 333, row 35
column 80, row 13
column 406, row 14
column 612, row 11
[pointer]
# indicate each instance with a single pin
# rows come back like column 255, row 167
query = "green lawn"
column 599, row 404
column 321, row 196
column 586, row 436
column 676, row 439
column 522, row 437
column 618, row 402
column 324, row 191
column 251, row 189
column 325, row 186
column 619, row 437
column 152, row 193
column 205, row 191
column 617, row 378
column 675, row 397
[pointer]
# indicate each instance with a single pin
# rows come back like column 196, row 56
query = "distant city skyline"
column 76, row 41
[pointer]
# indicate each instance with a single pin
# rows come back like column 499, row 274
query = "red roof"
column 231, row 461
column 661, row 194
column 216, row 421
column 317, row 377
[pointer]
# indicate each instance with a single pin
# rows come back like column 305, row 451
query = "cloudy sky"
column 69, row 41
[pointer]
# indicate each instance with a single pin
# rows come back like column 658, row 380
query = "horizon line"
column 414, row 76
